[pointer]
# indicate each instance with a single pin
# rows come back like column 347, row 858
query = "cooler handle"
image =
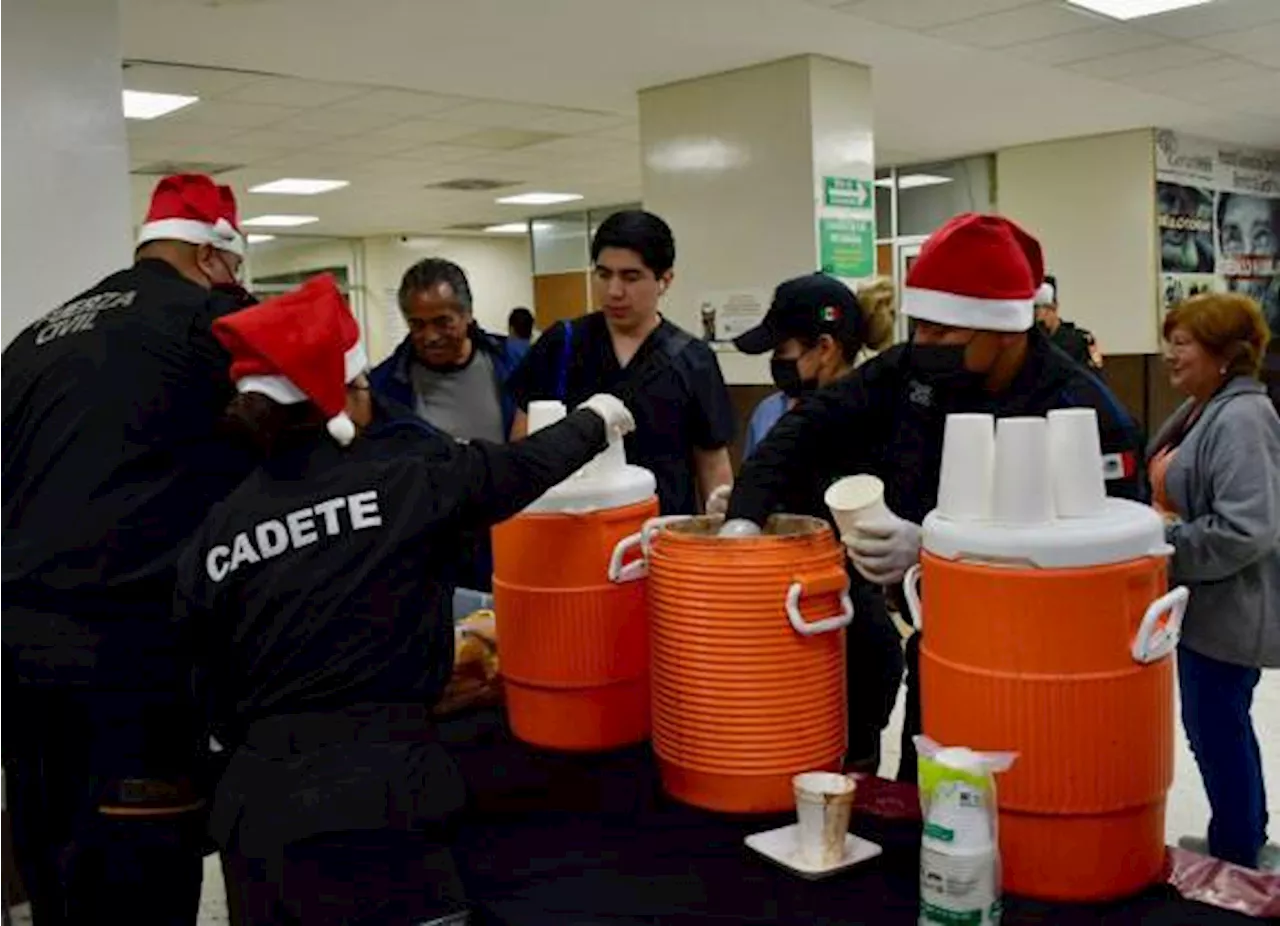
column 1157, row 637
column 638, row 568
column 821, row 583
column 911, row 592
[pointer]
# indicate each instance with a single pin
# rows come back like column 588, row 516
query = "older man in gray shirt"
column 452, row 374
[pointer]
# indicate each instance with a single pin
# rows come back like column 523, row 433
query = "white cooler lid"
column 581, row 493
column 1123, row 531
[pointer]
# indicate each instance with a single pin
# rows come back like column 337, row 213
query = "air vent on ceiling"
column 472, row 184
column 165, row 168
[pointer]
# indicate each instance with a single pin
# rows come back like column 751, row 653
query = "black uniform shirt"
column 882, row 420
column 322, row 581
column 672, row 385
column 1074, row 342
column 110, row 461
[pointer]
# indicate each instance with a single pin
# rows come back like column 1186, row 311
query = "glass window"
column 560, row 243
column 884, row 202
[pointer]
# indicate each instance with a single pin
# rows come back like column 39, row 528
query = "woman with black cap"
column 319, row 612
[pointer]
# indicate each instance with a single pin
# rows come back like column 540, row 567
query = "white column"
column 66, row 166
column 738, row 163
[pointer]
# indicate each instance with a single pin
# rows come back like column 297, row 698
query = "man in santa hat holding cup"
column 974, row 348
column 110, row 461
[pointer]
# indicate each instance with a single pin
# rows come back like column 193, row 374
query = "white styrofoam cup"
column 968, row 465
column 1075, row 460
column 544, row 412
column 824, row 801
column 856, row 500
column 1023, row 487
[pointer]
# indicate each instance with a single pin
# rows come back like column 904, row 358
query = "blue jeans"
column 1216, row 700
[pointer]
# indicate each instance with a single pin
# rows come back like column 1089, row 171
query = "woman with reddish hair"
column 1215, row 473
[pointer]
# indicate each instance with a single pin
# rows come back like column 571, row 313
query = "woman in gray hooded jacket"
column 1215, row 473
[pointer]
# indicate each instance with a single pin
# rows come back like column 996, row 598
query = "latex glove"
column 739, row 527
column 718, row 500
column 618, row 420
column 883, row 552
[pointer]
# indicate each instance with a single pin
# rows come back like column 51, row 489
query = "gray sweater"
column 1224, row 484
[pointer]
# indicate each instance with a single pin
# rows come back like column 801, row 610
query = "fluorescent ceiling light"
column 508, row 228
column 280, row 221
column 299, row 186
column 1135, row 9
column 258, row 239
column 539, row 199
column 140, row 104
column 913, row 181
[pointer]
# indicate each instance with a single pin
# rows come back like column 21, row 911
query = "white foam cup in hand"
column 968, row 464
column 824, row 801
column 543, row 413
column 1023, row 488
column 1075, row 459
column 856, row 500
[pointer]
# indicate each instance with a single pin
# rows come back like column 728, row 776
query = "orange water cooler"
column 1052, row 636
column 748, row 662
column 575, row 646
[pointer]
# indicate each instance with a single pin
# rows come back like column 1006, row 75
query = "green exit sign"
column 848, row 192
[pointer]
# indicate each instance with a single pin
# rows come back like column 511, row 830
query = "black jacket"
column 882, row 420
column 1075, row 343
column 110, row 461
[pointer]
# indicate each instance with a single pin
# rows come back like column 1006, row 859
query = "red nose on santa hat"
column 302, row 346
column 977, row 271
column 192, row 208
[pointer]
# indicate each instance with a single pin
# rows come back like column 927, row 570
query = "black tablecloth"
column 577, row 840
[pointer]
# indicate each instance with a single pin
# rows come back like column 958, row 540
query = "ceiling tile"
column 289, row 91
column 925, row 14
column 403, row 102
column 312, row 163
column 439, row 154
column 1080, row 46
column 1258, row 44
column 370, row 144
column 232, row 115
column 165, row 130
column 281, row 140
column 1220, row 16
column 574, row 122
column 504, row 139
column 1012, row 27
column 1242, row 95
column 426, row 130
column 1205, row 74
column 1143, row 61
column 224, row 153
column 168, row 78
column 628, row 132
column 329, row 120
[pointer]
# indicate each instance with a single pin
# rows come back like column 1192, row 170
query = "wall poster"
column 1218, row 212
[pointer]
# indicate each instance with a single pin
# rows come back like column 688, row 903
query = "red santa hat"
column 192, row 208
column 977, row 271
column 302, row 346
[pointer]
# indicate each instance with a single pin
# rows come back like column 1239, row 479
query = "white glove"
column 617, row 418
column 739, row 527
column 718, row 500
column 883, row 552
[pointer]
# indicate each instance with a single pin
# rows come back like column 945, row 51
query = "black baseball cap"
column 804, row 307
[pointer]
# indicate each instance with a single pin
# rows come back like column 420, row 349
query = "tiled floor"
column 1188, row 811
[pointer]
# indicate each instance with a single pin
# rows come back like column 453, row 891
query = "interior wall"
column 498, row 270
column 1091, row 203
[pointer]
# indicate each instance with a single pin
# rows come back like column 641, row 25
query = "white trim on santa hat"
column 222, row 235
column 931, row 305
column 283, row 390
column 1046, row 295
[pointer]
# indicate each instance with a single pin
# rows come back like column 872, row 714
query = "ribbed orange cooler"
column 1054, row 641
column 574, row 646
column 748, row 664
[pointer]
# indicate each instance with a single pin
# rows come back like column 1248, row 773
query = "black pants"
column 911, row 720
column 106, row 821
column 376, row 878
column 873, row 649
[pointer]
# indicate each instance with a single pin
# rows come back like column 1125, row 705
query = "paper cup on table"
column 856, row 500
column 544, row 413
column 1023, row 487
column 824, row 801
column 1075, row 460
column 968, row 464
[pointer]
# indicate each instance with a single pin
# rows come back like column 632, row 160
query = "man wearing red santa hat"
column 319, row 601
column 110, row 461
column 974, row 348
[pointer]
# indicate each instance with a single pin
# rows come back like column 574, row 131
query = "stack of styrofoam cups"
column 968, row 468
column 824, row 801
column 1075, row 454
column 857, row 501
column 544, row 413
column 1023, row 481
